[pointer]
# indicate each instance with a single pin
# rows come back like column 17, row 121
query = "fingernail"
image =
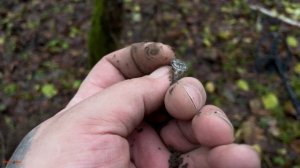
column 160, row 72
column 222, row 116
column 195, row 95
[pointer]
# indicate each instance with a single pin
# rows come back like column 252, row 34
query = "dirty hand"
column 104, row 126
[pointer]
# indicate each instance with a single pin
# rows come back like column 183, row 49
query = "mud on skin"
column 141, row 59
column 148, row 56
column 176, row 160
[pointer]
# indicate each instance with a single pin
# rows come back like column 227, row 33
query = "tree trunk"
column 106, row 24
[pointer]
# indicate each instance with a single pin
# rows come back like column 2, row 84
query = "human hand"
column 104, row 124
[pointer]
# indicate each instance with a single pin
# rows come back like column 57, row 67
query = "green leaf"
column 281, row 151
column 240, row 70
column 297, row 68
column 65, row 45
column 2, row 107
column 50, row 64
column 136, row 16
column 10, row 89
column 76, row 84
column 270, row 101
column 9, row 122
column 57, row 45
column 74, row 32
column 127, row 1
column 207, row 42
column 279, row 160
column 136, row 8
column 292, row 41
column 207, row 37
column 2, row 40
column 258, row 26
column 210, row 87
column 295, row 82
column 49, row 90
column 225, row 34
column 242, row 85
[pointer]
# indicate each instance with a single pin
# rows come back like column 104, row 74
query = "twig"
column 275, row 15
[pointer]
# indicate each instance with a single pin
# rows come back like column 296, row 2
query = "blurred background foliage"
column 44, row 48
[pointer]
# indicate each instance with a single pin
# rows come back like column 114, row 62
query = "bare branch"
column 274, row 14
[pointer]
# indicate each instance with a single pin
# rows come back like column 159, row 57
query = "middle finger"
column 194, row 124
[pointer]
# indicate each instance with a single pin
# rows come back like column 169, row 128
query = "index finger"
column 136, row 60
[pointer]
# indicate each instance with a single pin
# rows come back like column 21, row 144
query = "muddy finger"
column 185, row 98
column 141, row 58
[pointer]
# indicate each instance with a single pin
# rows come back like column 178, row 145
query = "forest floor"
column 44, row 57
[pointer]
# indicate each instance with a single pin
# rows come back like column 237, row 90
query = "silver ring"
column 179, row 68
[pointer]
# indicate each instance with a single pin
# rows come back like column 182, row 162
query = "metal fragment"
column 179, row 68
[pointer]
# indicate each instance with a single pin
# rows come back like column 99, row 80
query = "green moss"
column 100, row 41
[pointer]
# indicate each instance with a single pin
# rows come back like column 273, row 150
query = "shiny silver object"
column 179, row 68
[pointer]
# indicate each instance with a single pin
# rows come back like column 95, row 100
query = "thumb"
column 121, row 107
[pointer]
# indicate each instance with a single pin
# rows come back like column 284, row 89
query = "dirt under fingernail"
column 172, row 89
column 176, row 160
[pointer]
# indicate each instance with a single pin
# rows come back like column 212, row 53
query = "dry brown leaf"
column 296, row 145
column 256, row 107
column 251, row 133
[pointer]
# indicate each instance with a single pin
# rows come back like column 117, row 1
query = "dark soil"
column 43, row 57
column 175, row 159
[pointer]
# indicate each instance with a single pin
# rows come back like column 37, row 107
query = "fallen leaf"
column 49, row 90
column 256, row 107
column 210, row 87
column 242, row 85
column 292, row 41
column 297, row 68
column 296, row 146
column 270, row 101
column 251, row 133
